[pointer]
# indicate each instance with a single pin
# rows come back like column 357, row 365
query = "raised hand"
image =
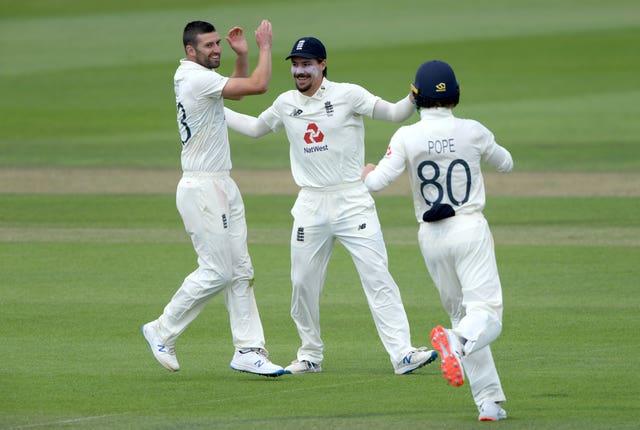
column 237, row 41
column 264, row 35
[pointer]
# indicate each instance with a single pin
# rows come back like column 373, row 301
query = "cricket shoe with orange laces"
column 450, row 349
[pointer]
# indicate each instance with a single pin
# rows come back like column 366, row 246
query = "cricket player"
column 442, row 155
column 323, row 121
column 209, row 201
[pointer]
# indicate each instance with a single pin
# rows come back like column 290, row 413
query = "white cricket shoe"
column 302, row 366
column 450, row 349
column 255, row 360
column 491, row 411
column 164, row 353
column 414, row 360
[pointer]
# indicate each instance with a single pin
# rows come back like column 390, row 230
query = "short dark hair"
column 193, row 29
column 429, row 102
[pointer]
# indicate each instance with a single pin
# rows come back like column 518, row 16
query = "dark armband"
column 438, row 212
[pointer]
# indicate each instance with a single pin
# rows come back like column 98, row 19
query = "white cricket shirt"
column 442, row 155
column 201, row 123
column 325, row 132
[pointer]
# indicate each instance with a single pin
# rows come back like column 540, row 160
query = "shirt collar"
column 319, row 94
column 436, row 113
column 185, row 61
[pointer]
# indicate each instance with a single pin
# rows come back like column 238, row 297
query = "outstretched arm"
column 392, row 164
column 395, row 112
column 378, row 177
column 245, row 124
column 238, row 43
column 258, row 81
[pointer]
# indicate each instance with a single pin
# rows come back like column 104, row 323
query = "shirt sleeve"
column 500, row 159
column 271, row 117
column 245, row 124
column 495, row 155
column 390, row 166
column 394, row 112
column 209, row 84
column 362, row 101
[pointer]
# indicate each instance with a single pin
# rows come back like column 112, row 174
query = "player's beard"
column 306, row 87
column 209, row 61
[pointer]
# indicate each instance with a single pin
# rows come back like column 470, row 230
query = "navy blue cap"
column 435, row 79
column 308, row 47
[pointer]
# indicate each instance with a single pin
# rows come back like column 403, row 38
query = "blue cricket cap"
column 435, row 79
column 308, row 47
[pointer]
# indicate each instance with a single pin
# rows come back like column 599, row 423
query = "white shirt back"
column 201, row 123
column 325, row 132
column 442, row 155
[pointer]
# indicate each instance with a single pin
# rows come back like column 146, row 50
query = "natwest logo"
column 313, row 134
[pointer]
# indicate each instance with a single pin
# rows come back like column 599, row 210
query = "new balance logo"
column 300, row 235
column 166, row 349
column 296, row 112
column 406, row 359
column 225, row 223
column 259, row 363
column 362, row 226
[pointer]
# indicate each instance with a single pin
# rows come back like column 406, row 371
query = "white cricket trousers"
column 459, row 254
column 212, row 210
column 346, row 213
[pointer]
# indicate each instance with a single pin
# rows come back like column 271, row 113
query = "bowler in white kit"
column 209, row 201
column 442, row 155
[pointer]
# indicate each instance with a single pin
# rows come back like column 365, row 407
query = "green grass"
column 80, row 279
column 88, row 84
column 555, row 80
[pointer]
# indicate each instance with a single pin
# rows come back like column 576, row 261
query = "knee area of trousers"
column 213, row 278
column 241, row 287
column 300, row 280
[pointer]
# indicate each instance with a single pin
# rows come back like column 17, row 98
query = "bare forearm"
column 241, row 69
column 258, row 81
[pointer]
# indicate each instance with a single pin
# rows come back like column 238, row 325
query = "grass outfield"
column 79, row 281
column 88, row 85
